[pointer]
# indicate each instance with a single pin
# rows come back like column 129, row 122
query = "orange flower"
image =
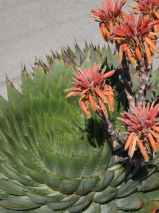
column 91, row 87
column 84, row 108
column 138, row 53
column 146, row 6
column 143, row 130
column 110, row 11
column 124, row 29
column 120, row 57
column 143, row 150
column 156, row 14
column 103, row 30
column 148, row 54
column 108, row 17
column 134, row 35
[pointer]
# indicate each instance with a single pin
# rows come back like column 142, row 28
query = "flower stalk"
column 114, row 135
column 143, row 130
column 135, row 38
column 144, row 74
column 128, row 83
column 93, row 91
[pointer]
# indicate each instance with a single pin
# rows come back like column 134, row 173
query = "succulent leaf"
column 52, row 158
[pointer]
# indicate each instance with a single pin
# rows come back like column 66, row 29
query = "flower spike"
column 107, row 16
column 134, row 34
column 91, row 87
column 110, row 11
column 128, row 30
column 146, row 6
column 143, row 128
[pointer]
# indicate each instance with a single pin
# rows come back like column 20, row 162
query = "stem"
column 144, row 74
column 128, row 84
column 139, row 163
column 115, row 136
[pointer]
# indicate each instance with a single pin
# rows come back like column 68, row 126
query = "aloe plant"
column 53, row 159
column 68, row 152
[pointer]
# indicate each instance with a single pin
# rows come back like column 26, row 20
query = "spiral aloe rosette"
column 53, row 159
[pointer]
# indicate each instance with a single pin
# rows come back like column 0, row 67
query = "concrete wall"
column 32, row 28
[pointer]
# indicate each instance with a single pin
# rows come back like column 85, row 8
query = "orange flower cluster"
column 148, row 8
column 143, row 128
column 132, row 36
column 90, row 86
column 108, row 17
column 135, row 39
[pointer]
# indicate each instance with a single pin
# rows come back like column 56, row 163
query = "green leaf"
column 68, row 186
column 150, row 95
column 109, row 56
column 86, row 184
column 93, row 208
column 3, row 194
column 87, row 62
column 110, row 207
column 95, row 58
column 38, row 198
column 126, row 188
column 45, row 209
column 148, row 205
column 19, row 203
column 134, row 80
column 93, row 162
column 105, row 195
column 119, row 175
column 153, row 195
column 149, row 183
column 104, row 159
column 63, row 204
column 81, row 203
column 105, row 178
column 78, row 165
column 79, row 54
column 12, row 187
column 38, row 177
column 153, row 78
column 6, row 210
column 131, row 202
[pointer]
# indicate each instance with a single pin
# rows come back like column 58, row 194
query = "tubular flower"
column 143, row 130
column 108, row 16
column 148, row 8
column 90, row 86
column 133, row 36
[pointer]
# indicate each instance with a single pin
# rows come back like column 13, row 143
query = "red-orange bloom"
column 133, row 35
column 107, row 16
column 148, row 8
column 110, row 11
column 143, row 129
column 91, row 87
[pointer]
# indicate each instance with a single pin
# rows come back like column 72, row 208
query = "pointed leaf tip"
column 7, row 80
